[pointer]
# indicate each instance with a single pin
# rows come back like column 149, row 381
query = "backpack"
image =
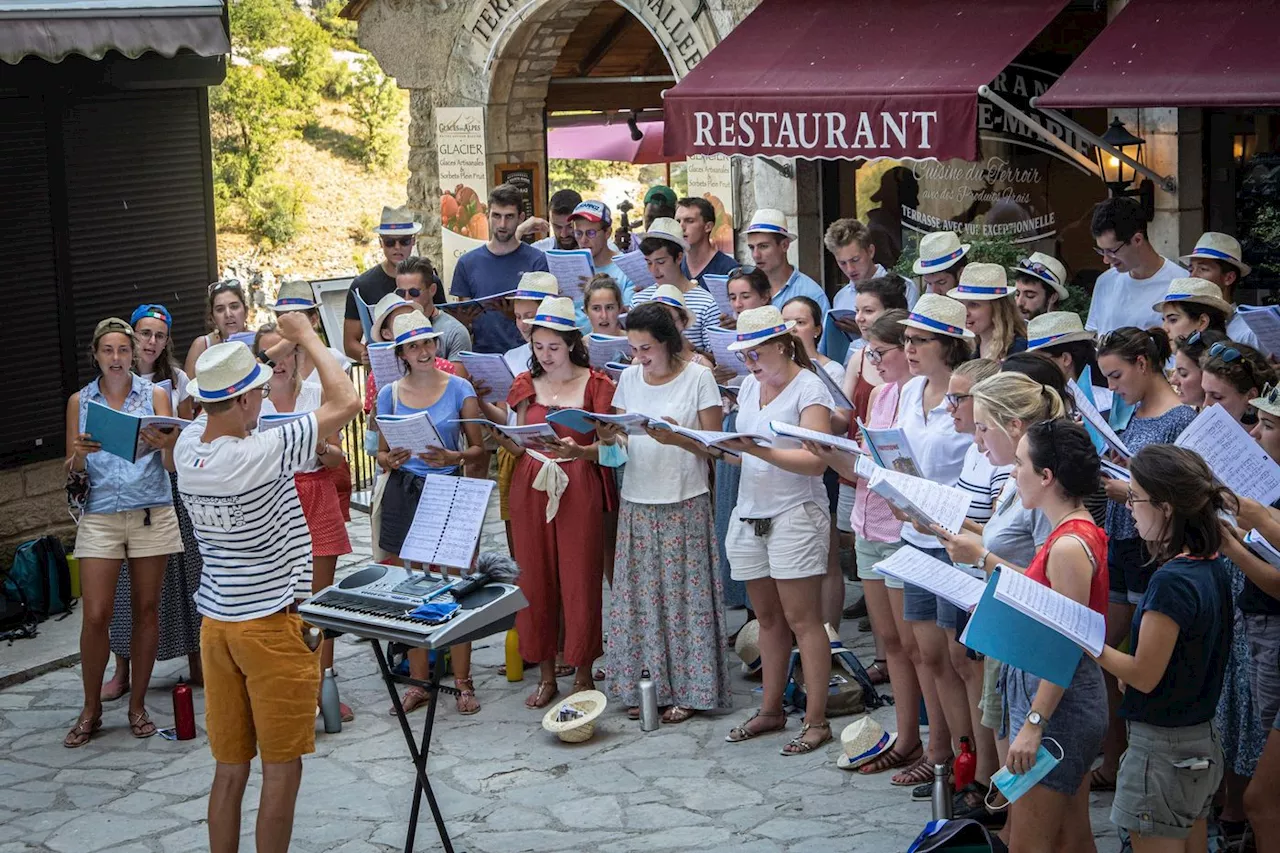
column 957, row 836
column 41, row 574
column 16, row 619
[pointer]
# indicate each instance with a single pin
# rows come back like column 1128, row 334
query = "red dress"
column 1096, row 540
column 561, row 561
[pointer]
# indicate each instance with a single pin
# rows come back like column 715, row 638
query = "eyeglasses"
column 388, row 242
column 875, row 356
column 746, row 355
column 1130, row 500
column 1111, row 253
column 589, row 234
column 1224, row 352
column 953, row 401
column 266, row 390
column 745, row 269
column 409, row 293
column 147, row 335
column 226, row 284
column 917, row 341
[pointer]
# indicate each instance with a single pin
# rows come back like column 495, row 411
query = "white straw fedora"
column 1045, row 268
column 935, row 313
column 225, row 371
column 1216, row 246
column 1195, row 290
column 863, row 741
column 397, row 222
column 939, row 251
column 1056, row 327
column 555, row 312
column 747, row 646
column 757, row 325
column 669, row 294
column 666, row 228
column 535, row 285
column 383, row 309
column 982, row 282
column 1269, row 402
column 573, row 719
column 294, row 295
column 767, row 220
column 411, row 327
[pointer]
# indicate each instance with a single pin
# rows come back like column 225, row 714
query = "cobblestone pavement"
column 504, row 784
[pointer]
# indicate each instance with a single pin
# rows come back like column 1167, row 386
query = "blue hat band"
column 945, row 259
column 764, row 226
column 233, row 389
column 668, row 300
column 937, row 325
column 1174, row 297
column 1215, row 253
column 762, row 333
column 296, row 300
column 421, row 330
column 396, row 226
column 1039, row 342
column 553, row 319
column 875, row 750
column 969, row 288
column 530, row 294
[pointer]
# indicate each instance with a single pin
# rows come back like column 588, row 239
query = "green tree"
column 259, row 24
column 375, row 103
column 250, row 114
column 306, row 65
column 585, row 175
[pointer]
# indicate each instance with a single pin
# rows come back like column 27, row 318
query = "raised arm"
column 341, row 402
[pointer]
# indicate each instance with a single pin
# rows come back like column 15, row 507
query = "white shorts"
column 844, row 508
column 796, row 546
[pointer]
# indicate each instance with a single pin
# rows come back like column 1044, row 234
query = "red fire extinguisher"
column 184, row 712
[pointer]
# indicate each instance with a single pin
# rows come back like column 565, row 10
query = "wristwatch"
column 265, row 359
column 1035, row 718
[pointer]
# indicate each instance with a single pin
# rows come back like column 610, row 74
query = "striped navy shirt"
column 248, row 522
column 983, row 481
column 704, row 313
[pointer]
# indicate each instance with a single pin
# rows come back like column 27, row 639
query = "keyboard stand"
column 418, row 749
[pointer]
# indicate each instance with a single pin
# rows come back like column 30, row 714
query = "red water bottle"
column 184, row 711
column 966, row 765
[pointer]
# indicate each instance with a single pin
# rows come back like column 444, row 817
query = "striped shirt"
column 704, row 313
column 248, row 522
column 983, row 481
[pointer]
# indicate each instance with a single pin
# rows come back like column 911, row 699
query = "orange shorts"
column 260, row 687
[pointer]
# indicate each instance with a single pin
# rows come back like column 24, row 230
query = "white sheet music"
column 1085, row 627
column 1232, row 455
column 919, row 569
column 718, row 285
column 491, row 369
column 1259, row 545
column 839, row 442
column 602, row 349
column 634, row 267
column 1114, row 471
column 446, row 525
column 945, row 506
column 535, row 436
column 384, row 363
column 414, row 433
column 1264, row 320
column 1090, row 413
column 719, row 339
column 573, row 269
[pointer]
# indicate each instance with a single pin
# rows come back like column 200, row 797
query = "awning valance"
column 55, row 29
column 1210, row 53
column 851, row 78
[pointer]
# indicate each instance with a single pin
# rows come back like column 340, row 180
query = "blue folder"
column 115, row 431
column 1002, row 632
column 574, row 419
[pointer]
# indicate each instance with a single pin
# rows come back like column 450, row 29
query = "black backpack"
column 17, row 622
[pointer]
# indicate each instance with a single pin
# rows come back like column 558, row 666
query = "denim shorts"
column 1263, row 633
column 1129, row 569
column 1157, row 792
column 920, row 605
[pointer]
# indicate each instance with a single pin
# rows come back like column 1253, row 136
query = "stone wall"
column 33, row 502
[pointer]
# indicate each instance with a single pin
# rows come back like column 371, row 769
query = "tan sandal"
column 413, row 699
column 738, row 734
column 892, row 760
column 82, row 732
column 677, row 714
column 542, row 695
column 799, row 746
column 580, row 686
column 916, row 774
column 140, row 724
column 467, row 703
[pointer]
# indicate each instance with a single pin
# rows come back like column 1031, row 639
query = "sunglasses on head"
column 1224, row 352
column 745, row 269
column 1271, row 393
column 226, row 284
column 388, row 242
column 409, row 293
column 1037, row 267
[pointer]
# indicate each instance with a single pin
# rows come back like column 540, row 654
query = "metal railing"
column 363, row 466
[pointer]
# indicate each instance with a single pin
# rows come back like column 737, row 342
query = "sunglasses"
column 953, row 401
column 746, row 355
column 225, row 284
column 266, row 390
column 1224, row 352
column 388, row 242
column 745, row 269
column 875, row 356
column 409, row 293
column 1271, row 393
column 1038, row 268
column 589, row 234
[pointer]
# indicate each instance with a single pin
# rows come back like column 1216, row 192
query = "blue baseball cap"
column 155, row 312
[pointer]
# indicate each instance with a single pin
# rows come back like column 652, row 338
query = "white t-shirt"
column 835, row 370
column 247, row 518
column 938, row 449
column 178, row 392
column 308, row 400
column 766, row 491
column 517, row 359
column 339, row 358
column 658, row 473
column 1121, row 300
column 1238, row 330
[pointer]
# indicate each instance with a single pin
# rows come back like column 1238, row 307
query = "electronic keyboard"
column 375, row 602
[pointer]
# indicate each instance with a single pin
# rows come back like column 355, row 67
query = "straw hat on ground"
column 555, row 312
column 294, row 295
column 1056, row 327
column 225, row 371
column 747, row 647
column 863, row 741
column 573, row 719
column 982, row 282
column 770, row 221
column 1195, row 290
column 536, row 286
column 757, row 325
column 1045, row 268
column 939, row 252
column 1216, row 246
column 935, row 313
column 666, row 228
column 411, row 327
column 397, row 222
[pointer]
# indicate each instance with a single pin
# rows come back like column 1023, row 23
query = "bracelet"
column 265, row 359
column 325, row 451
column 982, row 561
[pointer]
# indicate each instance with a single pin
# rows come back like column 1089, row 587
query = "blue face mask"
column 1014, row 786
column 613, row 455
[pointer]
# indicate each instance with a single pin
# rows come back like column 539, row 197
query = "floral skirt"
column 1239, row 728
column 666, row 609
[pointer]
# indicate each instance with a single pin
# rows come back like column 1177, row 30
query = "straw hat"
column 757, row 325
column 294, row 295
column 397, row 222
column 535, row 285
column 1056, row 327
column 982, row 282
column 935, row 313
column 1045, row 268
column 573, row 720
column 1195, row 290
column 411, row 327
column 225, row 371
column 1216, row 246
column 770, row 221
column 669, row 294
column 666, row 228
column 555, row 312
column 1269, row 402
column 863, row 741
column 939, row 251
column 385, row 306
column 747, row 647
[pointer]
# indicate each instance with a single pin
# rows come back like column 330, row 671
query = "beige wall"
column 33, row 502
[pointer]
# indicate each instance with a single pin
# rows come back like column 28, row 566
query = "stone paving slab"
column 504, row 785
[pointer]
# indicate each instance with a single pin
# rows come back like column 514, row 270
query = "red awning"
column 851, row 78
column 608, row 142
column 1210, row 53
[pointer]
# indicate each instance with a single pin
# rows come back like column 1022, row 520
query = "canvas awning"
column 55, row 29
column 851, row 78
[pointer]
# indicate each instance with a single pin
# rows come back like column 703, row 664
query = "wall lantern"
column 1117, row 174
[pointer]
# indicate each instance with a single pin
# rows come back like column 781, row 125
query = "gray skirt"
column 1078, row 724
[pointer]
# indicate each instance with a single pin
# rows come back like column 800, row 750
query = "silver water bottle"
column 330, row 708
column 648, row 702
column 941, row 799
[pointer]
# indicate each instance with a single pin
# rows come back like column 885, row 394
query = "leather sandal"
column 738, row 734
column 413, row 699
column 140, row 724
column 878, row 672
column 799, row 746
column 82, row 732
column 892, row 760
column 467, row 703
column 677, row 714
column 579, row 686
column 542, row 695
